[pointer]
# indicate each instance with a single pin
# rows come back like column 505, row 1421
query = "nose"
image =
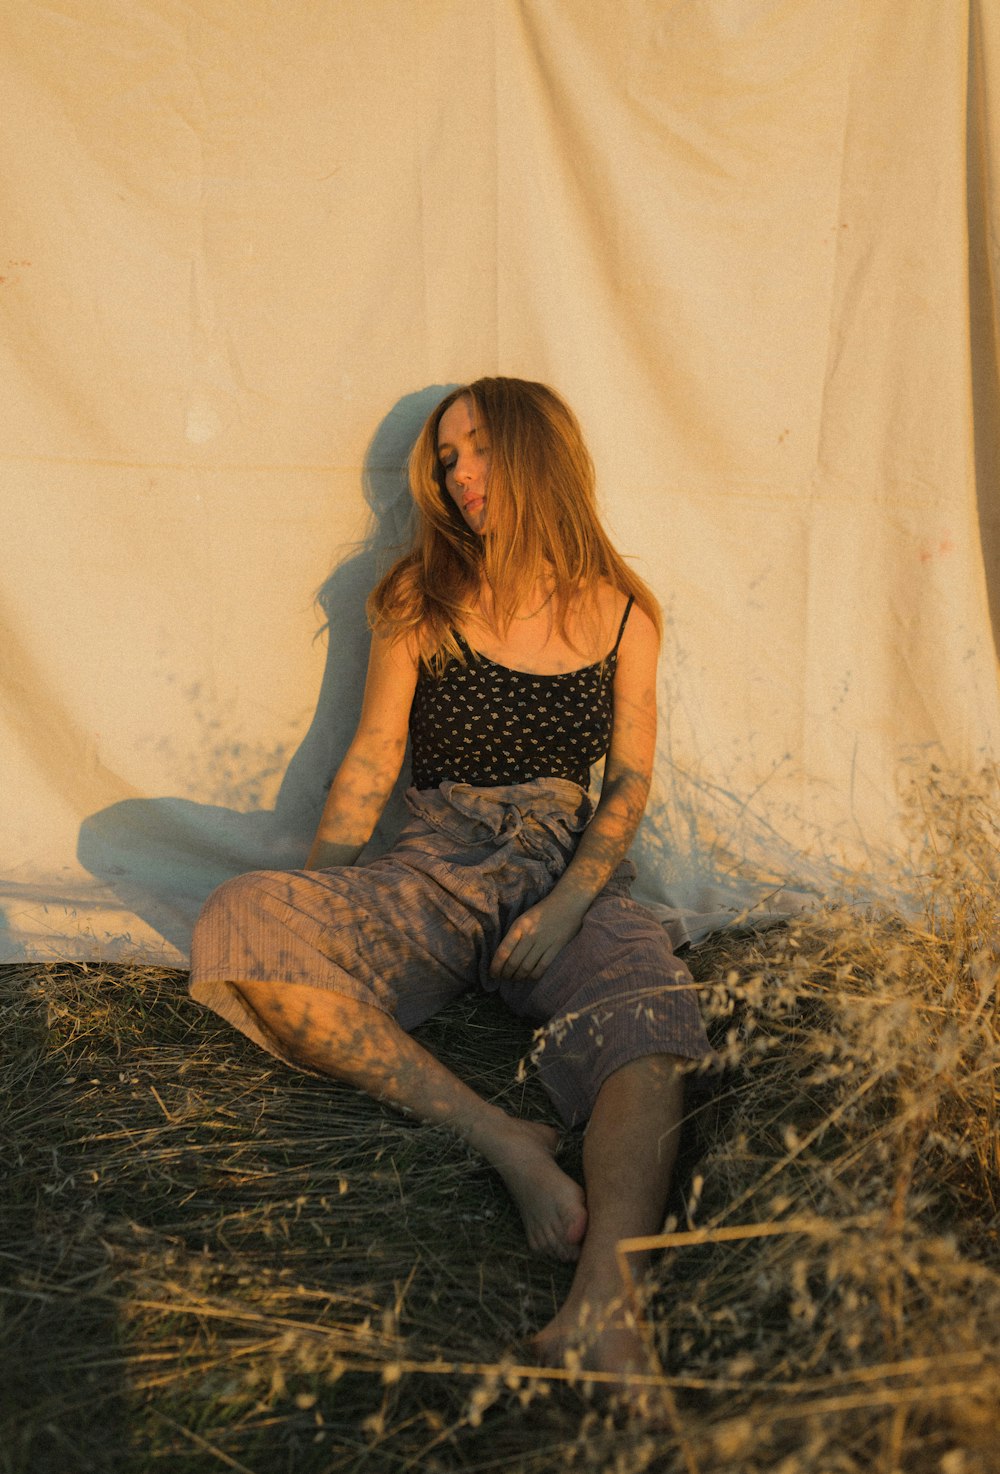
column 464, row 469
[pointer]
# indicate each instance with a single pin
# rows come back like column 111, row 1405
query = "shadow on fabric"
column 161, row 857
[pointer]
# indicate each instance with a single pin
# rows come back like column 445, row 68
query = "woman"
column 516, row 647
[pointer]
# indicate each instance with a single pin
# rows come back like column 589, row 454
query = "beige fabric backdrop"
column 246, row 242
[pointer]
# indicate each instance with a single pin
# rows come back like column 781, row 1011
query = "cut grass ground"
column 210, row 1262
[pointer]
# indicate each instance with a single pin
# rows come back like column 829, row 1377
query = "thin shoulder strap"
column 621, row 627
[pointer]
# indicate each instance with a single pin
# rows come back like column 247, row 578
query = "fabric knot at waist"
column 539, row 813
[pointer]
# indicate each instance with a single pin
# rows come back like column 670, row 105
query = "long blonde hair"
column 541, row 520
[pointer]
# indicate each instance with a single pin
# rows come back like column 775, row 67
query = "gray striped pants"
column 413, row 929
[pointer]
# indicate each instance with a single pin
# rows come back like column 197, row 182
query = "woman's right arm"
column 371, row 765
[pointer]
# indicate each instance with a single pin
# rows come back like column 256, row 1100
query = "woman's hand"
column 536, row 938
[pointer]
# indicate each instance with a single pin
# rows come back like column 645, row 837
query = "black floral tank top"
column 488, row 724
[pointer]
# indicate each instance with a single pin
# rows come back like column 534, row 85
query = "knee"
column 242, row 891
column 239, row 908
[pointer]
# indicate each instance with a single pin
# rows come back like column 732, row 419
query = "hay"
column 209, row 1262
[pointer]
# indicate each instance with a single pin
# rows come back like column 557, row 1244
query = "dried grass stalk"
column 209, row 1262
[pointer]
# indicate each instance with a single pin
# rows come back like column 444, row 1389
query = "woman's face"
column 465, row 460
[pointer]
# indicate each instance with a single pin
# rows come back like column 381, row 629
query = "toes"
column 576, row 1230
column 571, row 1230
column 562, row 1238
column 548, row 1350
column 554, row 1239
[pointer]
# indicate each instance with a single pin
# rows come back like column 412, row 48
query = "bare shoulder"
column 392, row 674
column 597, row 616
column 634, row 733
column 640, row 633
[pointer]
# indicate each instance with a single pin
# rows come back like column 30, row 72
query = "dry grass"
column 211, row 1263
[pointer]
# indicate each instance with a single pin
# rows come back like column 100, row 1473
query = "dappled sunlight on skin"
column 360, row 1045
column 507, row 876
column 606, row 1020
column 629, row 1150
column 628, row 1154
column 540, row 932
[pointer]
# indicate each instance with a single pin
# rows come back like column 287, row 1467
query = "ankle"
column 492, row 1133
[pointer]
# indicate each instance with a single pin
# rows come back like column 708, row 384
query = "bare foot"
column 551, row 1203
column 598, row 1332
column 597, row 1338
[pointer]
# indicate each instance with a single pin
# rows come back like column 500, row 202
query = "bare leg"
column 362, row 1046
column 628, row 1155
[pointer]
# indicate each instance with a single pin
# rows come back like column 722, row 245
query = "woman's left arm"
column 540, row 932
